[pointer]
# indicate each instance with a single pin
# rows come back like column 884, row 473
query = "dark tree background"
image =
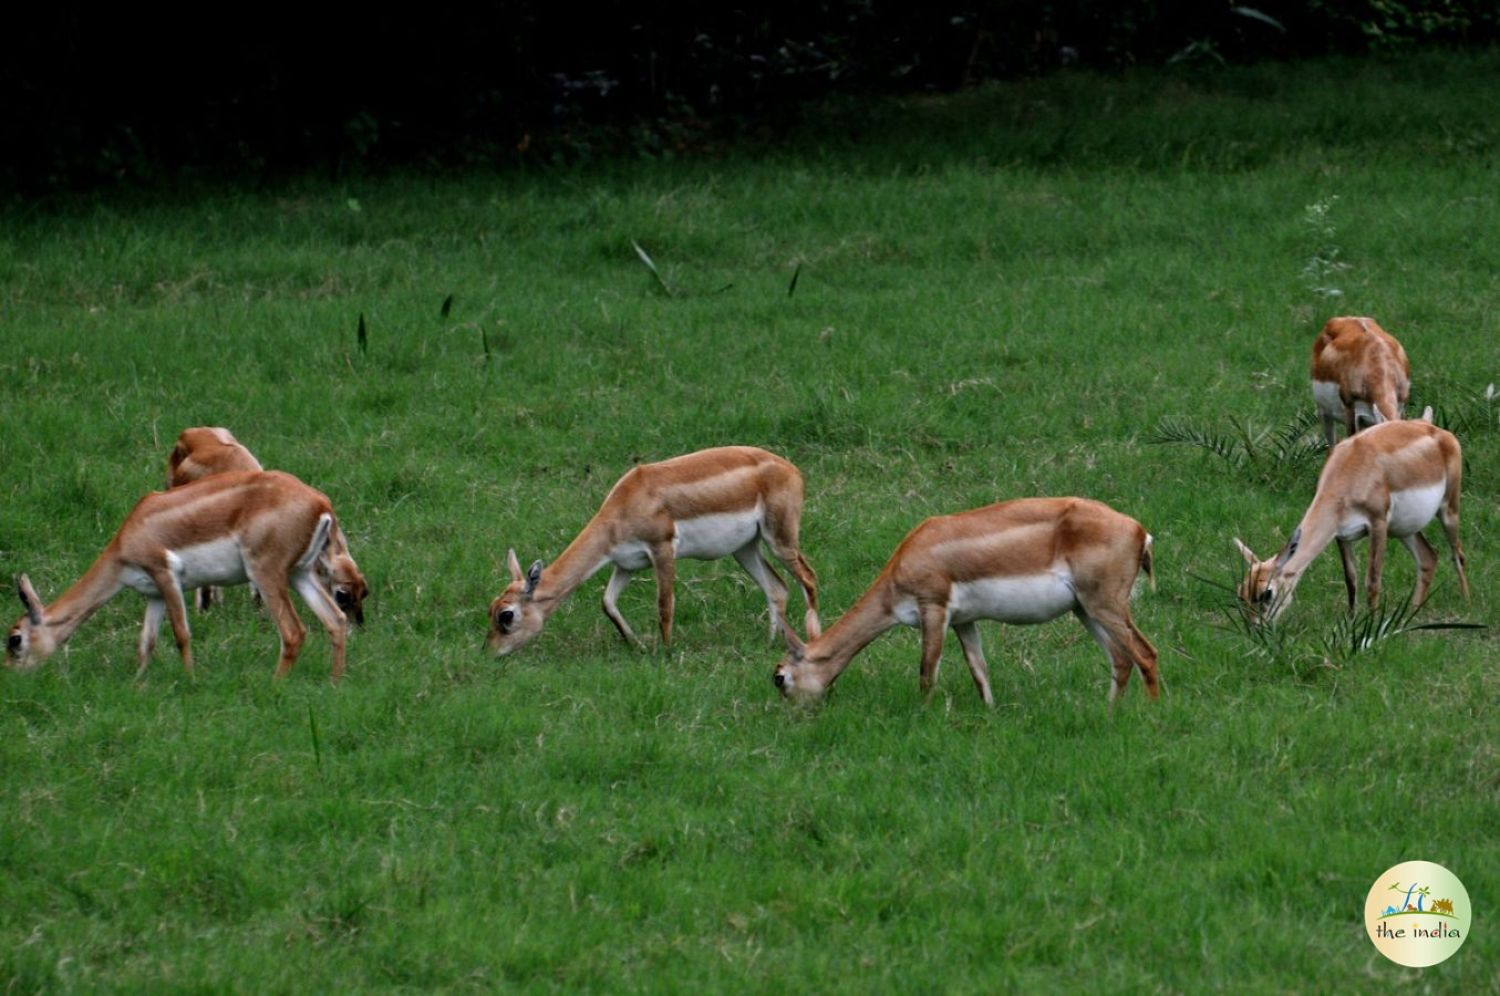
column 124, row 95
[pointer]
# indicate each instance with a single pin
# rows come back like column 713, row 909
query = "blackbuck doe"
column 205, row 450
column 265, row 527
column 1390, row 480
column 705, row 505
column 1360, row 376
column 1022, row 562
column 201, row 451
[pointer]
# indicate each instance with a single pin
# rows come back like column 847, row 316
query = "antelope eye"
column 505, row 618
column 1264, row 597
column 342, row 598
column 14, row 643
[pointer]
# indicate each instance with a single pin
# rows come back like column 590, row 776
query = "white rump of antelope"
column 1390, row 480
column 705, row 505
column 1021, row 562
column 265, row 527
column 1360, row 376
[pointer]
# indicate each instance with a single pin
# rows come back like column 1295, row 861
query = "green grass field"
column 1001, row 293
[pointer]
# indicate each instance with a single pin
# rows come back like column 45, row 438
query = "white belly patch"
column 216, row 562
column 1326, row 396
column 1409, row 512
column 1033, row 598
column 1353, row 528
column 632, row 555
column 711, row 536
column 1414, row 508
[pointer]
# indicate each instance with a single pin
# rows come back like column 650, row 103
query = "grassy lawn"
column 997, row 294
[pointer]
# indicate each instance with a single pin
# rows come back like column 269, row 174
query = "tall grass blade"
column 1261, row 16
column 651, row 265
column 312, row 724
column 361, row 337
column 447, row 306
column 792, row 287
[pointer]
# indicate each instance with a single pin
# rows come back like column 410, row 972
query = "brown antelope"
column 1360, row 376
column 205, row 450
column 265, row 527
column 1021, row 562
column 199, row 452
column 1389, row 480
column 705, row 505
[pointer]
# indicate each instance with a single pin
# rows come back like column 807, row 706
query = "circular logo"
column 1418, row 914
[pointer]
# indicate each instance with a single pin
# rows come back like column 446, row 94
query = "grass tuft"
column 1301, row 644
column 1277, row 449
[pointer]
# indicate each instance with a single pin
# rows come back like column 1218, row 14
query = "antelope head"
column 1262, row 591
column 30, row 640
column 515, row 617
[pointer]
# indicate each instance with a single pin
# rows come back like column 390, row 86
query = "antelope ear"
column 1427, row 414
column 1291, row 548
column 794, row 644
column 1246, row 552
column 29, row 599
column 513, row 564
column 533, row 576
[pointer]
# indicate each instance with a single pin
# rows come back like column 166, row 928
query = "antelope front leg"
column 330, row 615
column 617, row 582
column 1378, row 533
column 1351, row 573
column 934, row 622
column 279, row 602
column 968, row 638
column 171, row 593
column 156, row 610
column 664, row 562
column 1330, row 429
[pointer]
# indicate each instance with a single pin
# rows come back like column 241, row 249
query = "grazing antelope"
column 1389, row 480
column 1360, row 376
column 265, row 527
column 1022, row 562
column 705, row 505
column 199, row 452
column 203, row 451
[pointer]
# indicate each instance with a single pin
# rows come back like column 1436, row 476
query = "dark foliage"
column 125, row 93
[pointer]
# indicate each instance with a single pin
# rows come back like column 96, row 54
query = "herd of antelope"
column 224, row 520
